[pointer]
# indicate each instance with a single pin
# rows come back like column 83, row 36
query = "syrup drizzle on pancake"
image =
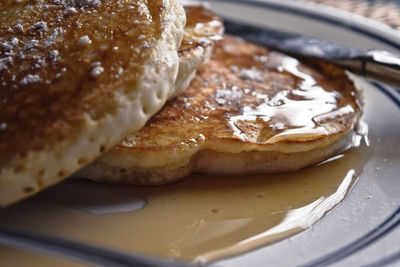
column 202, row 28
column 276, row 98
column 300, row 111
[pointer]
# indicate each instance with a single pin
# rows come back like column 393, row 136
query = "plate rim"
column 334, row 16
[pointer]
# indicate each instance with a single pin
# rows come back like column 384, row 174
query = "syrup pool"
column 200, row 219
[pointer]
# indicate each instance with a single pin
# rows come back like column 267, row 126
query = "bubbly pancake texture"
column 202, row 29
column 249, row 110
column 76, row 76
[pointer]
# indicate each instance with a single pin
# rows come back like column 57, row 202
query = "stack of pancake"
column 123, row 92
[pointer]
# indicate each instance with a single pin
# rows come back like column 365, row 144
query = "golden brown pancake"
column 77, row 76
column 249, row 110
column 202, row 29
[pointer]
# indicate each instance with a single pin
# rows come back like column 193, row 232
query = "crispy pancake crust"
column 202, row 29
column 76, row 77
column 249, row 110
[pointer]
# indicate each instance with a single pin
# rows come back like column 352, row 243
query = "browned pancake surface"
column 77, row 76
column 248, row 110
column 249, row 95
column 202, row 28
column 59, row 61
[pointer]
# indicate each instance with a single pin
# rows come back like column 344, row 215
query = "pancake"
column 249, row 110
column 202, row 29
column 76, row 77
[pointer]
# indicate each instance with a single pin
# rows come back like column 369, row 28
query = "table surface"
column 384, row 11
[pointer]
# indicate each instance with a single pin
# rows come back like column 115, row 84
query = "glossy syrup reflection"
column 291, row 113
column 202, row 218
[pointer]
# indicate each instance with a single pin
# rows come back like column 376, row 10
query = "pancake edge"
column 208, row 161
column 28, row 175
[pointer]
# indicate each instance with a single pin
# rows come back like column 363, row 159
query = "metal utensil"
column 376, row 64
